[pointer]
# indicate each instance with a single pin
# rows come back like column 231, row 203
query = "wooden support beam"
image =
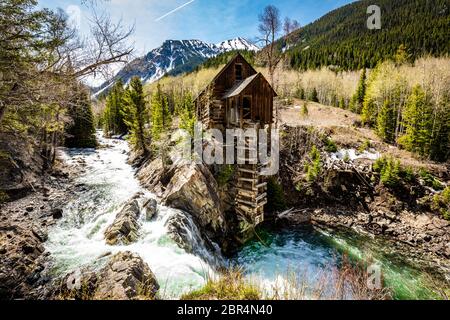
column 264, row 195
column 248, row 171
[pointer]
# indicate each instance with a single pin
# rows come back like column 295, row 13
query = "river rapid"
column 108, row 181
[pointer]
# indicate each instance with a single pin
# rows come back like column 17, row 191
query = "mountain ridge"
column 174, row 57
column 341, row 38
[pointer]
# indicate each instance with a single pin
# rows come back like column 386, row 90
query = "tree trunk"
column 2, row 113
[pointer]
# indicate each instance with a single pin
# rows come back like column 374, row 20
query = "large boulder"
column 189, row 187
column 152, row 176
column 125, row 277
column 150, row 208
column 185, row 232
column 125, row 227
column 22, row 259
column 194, row 189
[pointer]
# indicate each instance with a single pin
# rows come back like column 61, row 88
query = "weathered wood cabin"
column 240, row 97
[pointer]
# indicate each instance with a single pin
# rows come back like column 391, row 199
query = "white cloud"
column 74, row 13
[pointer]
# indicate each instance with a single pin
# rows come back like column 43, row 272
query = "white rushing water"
column 353, row 154
column 78, row 239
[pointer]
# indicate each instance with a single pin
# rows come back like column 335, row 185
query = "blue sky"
column 208, row 20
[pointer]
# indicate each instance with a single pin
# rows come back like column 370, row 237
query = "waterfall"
column 107, row 183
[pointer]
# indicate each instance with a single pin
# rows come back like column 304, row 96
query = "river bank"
column 67, row 239
column 24, row 227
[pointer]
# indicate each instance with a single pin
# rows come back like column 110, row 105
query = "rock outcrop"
column 125, row 227
column 151, row 209
column 189, row 187
column 422, row 233
column 125, row 277
column 23, row 232
column 182, row 229
column 22, row 257
column 194, row 189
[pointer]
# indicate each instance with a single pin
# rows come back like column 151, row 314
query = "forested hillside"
column 223, row 59
column 44, row 103
column 341, row 38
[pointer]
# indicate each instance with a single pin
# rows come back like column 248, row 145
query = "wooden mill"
column 240, row 97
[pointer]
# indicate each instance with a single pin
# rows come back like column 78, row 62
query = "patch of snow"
column 353, row 154
column 236, row 44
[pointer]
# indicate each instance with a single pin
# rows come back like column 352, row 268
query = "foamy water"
column 78, row 239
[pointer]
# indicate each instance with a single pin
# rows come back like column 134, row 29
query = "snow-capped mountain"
column 174, row 56
column 237, row 44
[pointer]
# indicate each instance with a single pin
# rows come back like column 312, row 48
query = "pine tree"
column 305, row 111
column 314, row 168
column 80, row 133
column 417, row 119
column 390, row 173
column 369, row 107
column 342, row 103
column 401, row 56
column 134, row 113
column 386, row 123
column 157, row 114
column 186, row 111
column 114, row 122
column 440, row 141
column 356, row 103
column 161, row 118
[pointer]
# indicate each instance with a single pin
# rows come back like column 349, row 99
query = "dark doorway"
column 247, row 107
column 238, row 72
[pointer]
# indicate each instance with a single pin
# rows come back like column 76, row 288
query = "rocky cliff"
column 348, row 193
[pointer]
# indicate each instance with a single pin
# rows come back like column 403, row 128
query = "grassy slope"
column 344, row 133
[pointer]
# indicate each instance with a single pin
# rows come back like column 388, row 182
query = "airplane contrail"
column 175, row 10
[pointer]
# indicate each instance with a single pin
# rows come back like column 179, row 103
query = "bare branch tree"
column 290, row 26
column 269, row 27
column 43, row 59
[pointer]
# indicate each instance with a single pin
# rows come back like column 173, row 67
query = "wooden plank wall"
column 262, row 96
column 262, row 101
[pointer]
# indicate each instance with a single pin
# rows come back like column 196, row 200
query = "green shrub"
column 365, row 146
column 389, row 170
column 275, row 196
column 4, row 155
column 441, row 203
column 445, row 199
column 305, row 111
column 342, row 104
column 446, row 195
column 430, row 180
column 225, row 175
column 300, row 93
column 314, row 168
column 330, row 145
column 408, row 175
column 346, row 157
column 314, row 95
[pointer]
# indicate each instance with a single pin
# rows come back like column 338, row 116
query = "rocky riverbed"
column 93, row 232
column 24, row 226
